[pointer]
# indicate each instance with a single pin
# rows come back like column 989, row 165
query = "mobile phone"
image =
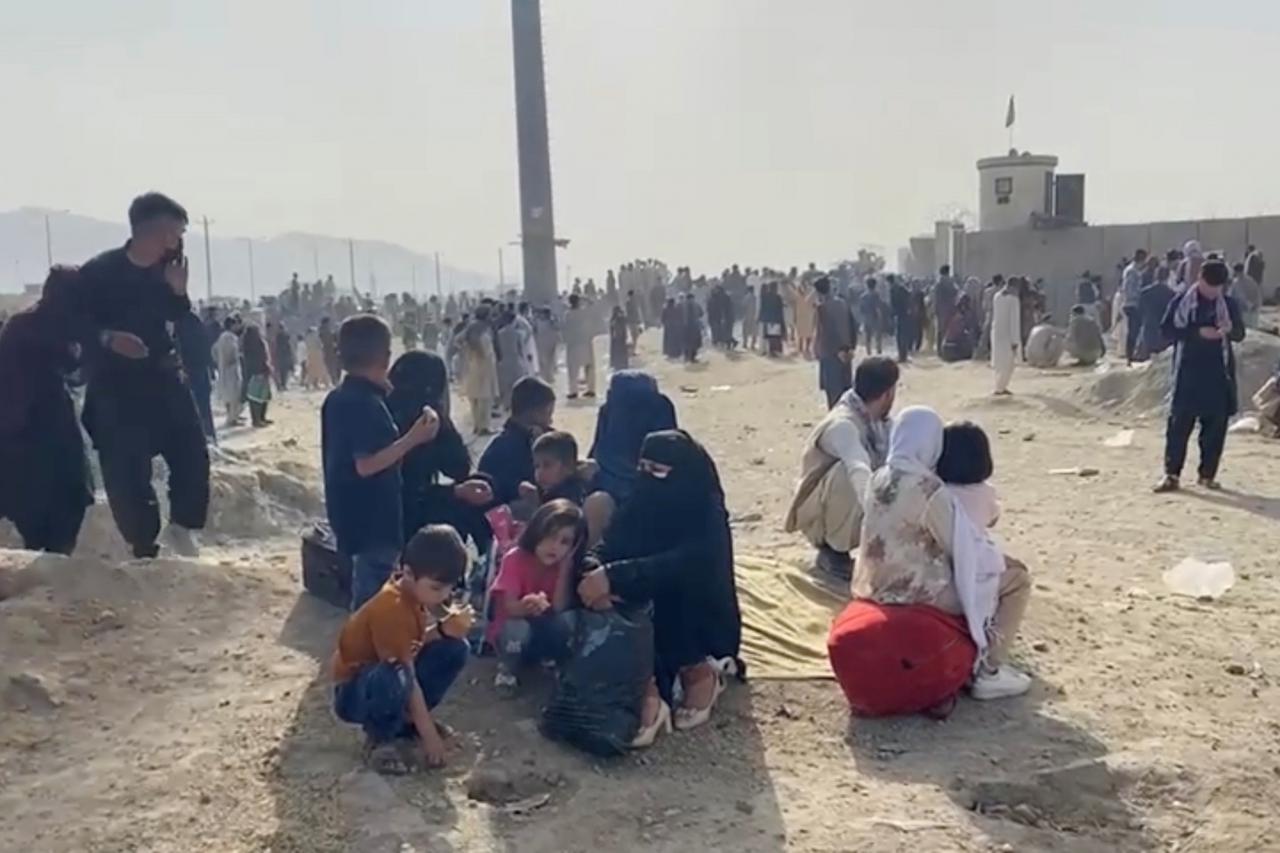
column 176, row 253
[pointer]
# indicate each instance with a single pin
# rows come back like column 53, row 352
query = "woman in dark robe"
column 633, row 408
column 619, row 348
column 257, row 375
column 691, row 328
column 45, row 486
column 419, row 379
column 670, row 544
column 671, row 346
column 772, row 319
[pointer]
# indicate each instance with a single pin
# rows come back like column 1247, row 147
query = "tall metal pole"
column 537, row 223
column 253, row 287
column 208, row 261
column 351, row 256
column 439, row 287
column 415, row 281
column 502, row 276
column 48, row 241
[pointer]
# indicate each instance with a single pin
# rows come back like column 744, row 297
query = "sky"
column 703, row 132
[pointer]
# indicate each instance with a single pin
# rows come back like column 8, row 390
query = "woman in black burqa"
column 670, row 544
column 420, row 379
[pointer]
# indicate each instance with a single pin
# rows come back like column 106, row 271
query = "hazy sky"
column 701, row 131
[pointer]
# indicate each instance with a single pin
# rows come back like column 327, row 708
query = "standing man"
column 944, row 304
column 1131, row 288
column 329, row 346
column 1255, row 266
column 900, row 305
column 1245, row 290
column 137, row 405
column 1006, row 334
column 872, row 308
column 1202, row 321
column 579, row 349
column 836, row 339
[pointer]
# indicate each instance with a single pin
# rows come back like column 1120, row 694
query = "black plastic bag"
column 326, row 572
column 600, row 690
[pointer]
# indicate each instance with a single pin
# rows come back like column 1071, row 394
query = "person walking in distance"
column 1006, row 335
column 1131, row 287
column 137, row 405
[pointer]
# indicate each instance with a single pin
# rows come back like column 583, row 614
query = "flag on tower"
column 1011, row 114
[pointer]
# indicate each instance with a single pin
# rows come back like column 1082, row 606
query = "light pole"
column 439, row 288
column 48, row 236
column 208, row 262
column 253, row 289
column 351, row 257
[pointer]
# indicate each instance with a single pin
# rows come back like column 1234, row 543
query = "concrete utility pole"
column 439, row 287
column 537, row 223
column 208, row 261
column 351, row 256
column 415, row 281
column 253, row 288
column 48, row 241
column 502, row 275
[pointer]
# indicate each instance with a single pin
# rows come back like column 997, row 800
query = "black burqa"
column 670, row 543
column 419, row 379
column 44, row 476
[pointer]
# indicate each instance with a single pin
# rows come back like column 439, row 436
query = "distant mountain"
column 75, row 238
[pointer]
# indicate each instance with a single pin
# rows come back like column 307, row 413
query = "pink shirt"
column 520, row 574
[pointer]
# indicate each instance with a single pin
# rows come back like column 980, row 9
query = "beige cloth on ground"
column 786, row 616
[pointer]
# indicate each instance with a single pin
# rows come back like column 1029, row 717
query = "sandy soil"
column 183, row 706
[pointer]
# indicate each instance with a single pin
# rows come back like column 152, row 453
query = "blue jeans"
column 527, row 641
column 377, row 697
column 369, row 571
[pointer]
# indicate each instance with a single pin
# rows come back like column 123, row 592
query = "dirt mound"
column 247, row 500
column 1144, row 388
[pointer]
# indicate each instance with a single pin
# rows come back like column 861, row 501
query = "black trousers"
column 131, row 422
column 906, row 334
column 1133, row 332
column 1213, row 438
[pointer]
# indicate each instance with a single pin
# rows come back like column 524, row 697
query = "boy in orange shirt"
column 394, row 663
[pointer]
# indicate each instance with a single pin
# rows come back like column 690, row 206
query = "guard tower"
column 1015, row 189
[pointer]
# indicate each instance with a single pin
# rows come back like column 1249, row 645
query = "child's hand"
column 529, row 491
column 458, row 623
column 474, row 492
column 426, row 427
column 433, row 751
column 594, row 590
column 535, row 604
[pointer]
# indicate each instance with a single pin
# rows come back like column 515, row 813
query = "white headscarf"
column 915, row 446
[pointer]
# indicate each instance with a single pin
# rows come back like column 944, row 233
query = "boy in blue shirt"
column 361, row 450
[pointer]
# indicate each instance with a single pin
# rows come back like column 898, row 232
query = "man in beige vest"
column 844, row 449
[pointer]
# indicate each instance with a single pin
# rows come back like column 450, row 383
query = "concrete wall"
column 1060, row 256
column 922, row 256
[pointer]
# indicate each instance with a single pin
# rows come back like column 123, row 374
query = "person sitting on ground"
column 1044, row 345
column 533, row 585
column 394, row 663
column 1084, row 342
column 843, row 450
column 670, row 544
column 960, row 332
column 919, row 547
column 966, row 467
column 418, row 382
column 508, row 460
column 633, row 408
column 559, row 475
column 46, row 485
column 1267, row 399
column 361, row 450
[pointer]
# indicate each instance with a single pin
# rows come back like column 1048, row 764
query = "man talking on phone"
column 138, row 404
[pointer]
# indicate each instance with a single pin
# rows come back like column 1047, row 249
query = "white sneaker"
column 180, row 541
column 1001, row 684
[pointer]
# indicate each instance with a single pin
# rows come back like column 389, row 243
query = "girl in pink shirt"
column 533, row 585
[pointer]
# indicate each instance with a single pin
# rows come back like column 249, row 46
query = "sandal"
column 648, row 734
column 506, row 684
column 385, row 759
column 690, row 718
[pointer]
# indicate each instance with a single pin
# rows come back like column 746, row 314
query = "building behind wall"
column 1032, row 223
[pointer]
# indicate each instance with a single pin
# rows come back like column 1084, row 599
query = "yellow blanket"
column 786, row 614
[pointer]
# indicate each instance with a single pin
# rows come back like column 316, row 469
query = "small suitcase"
column 326, row 573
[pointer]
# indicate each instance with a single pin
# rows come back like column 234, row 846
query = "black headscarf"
column 417, row 379
column 661, row 514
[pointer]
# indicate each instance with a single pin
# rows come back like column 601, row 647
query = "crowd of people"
column 634, row 531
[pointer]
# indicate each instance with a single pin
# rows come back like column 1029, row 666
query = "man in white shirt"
column 844, row 449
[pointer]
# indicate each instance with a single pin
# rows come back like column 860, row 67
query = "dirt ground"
column 178, row 706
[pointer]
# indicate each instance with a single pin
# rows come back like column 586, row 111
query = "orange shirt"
column 390, row 626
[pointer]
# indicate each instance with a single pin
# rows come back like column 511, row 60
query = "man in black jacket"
column 138, row 403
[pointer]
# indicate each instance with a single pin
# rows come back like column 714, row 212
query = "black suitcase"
column 326, row 574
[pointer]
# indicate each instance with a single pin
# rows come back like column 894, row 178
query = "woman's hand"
column 594, row 590
column 474, row 493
